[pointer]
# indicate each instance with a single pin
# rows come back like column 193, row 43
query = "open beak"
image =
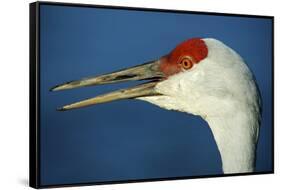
column 148, row 71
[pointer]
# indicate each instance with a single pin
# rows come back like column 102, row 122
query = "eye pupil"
column 186, row 63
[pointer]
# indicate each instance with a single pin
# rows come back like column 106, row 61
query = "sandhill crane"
column 203, row 77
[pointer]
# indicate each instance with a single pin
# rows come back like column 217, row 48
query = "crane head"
column 199, row 76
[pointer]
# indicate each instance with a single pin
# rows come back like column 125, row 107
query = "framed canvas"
column 120, row 94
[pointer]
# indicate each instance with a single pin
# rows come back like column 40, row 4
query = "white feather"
column 222, row 90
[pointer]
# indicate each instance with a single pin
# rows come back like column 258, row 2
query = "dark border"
column 34, row 91
column 272, row 101
column 34, row 102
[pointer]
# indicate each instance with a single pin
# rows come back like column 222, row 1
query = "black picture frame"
column 34, row 98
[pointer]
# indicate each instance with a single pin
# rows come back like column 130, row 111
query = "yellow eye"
column 186, row 63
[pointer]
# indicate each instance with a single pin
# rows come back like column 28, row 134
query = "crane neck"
column 236, row 137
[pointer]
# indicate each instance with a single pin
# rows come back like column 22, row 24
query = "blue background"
column 131, row 139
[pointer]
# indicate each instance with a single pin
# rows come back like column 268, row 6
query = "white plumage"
column 222, row 90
